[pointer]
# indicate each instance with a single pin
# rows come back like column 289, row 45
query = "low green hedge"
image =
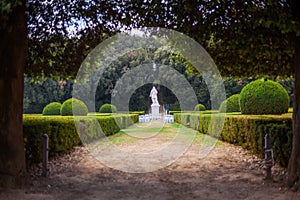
column 172, row 112
column 209, row 112
column 62, row 132
column 247, row 131
column 138, row 112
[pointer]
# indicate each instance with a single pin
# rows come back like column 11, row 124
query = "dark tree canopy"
column 225, row 29
column 62, row 33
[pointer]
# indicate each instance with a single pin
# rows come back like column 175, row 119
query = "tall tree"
column 294, row 162
column 13, row 47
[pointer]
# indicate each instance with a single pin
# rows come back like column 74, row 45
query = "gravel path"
column 228, row 172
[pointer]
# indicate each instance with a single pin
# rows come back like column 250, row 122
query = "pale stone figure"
column 155, row 105
column 153, row 95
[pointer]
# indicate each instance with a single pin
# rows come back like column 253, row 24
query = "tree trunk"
column 294, row 162
column 13, row 46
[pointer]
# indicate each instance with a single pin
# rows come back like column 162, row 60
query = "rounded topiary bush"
column 231, row 104
column 264, row 97
column 52, row 109
column 73, row 106
column 200, row 107
column 108, row 108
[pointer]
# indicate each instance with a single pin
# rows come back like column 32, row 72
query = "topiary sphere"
column 231, row 104
column 108, row 108
column 52, row 109
column 73, row 106
column 264, row 97
column 200, row 107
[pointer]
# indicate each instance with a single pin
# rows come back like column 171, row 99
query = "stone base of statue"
column 155, row 111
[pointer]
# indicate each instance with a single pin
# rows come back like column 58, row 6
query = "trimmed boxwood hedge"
column 62, row 132
column 199, row 107
column 73, row 106
column 137, row 112
column 231, row 104
column 264, row 97
column 247, row 131
column 108, row 108
column 52, row 109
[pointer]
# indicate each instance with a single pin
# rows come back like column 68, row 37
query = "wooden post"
column 45, row 155
column 268, row 157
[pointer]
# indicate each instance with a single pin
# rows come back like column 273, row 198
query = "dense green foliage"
column 230, row 30
column 62, row 132
column 52, row 109
column 264, row 97
column 62, row 33
column 108, row 108
column 73, row 106
column 231, row 104
column 263, row 27
column 199, row 107
column 38, row 92
column 247, row 131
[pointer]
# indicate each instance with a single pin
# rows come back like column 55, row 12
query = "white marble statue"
column 153, row 95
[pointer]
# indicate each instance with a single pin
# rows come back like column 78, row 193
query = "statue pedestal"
column 155, row 111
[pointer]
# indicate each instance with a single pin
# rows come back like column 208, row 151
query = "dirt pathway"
column 228, row 172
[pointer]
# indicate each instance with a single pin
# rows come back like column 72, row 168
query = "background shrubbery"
column 38, row 92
